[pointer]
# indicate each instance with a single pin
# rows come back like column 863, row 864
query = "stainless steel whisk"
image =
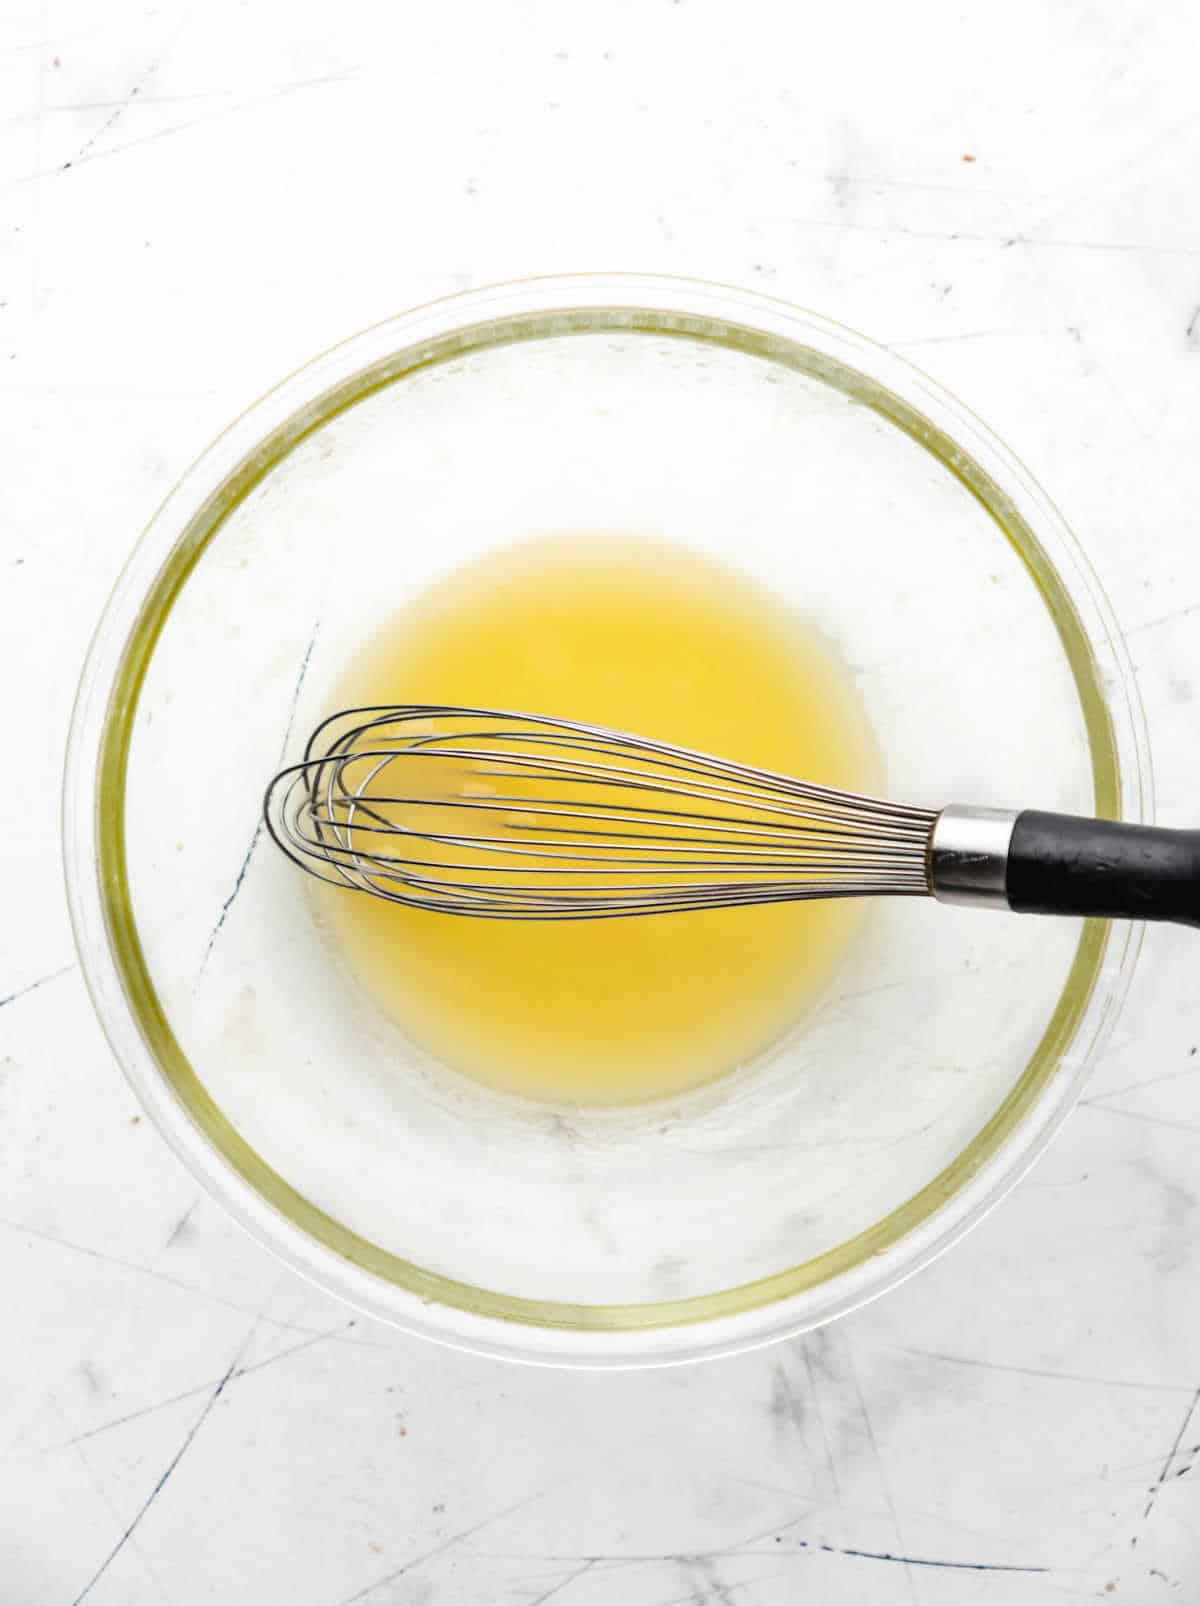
column 476, row 811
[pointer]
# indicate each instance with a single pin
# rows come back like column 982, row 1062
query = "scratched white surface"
column 197, row 199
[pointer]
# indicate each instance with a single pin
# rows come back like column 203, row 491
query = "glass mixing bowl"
column 949, row 1047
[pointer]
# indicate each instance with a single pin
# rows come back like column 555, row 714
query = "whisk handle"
column 1062, row 864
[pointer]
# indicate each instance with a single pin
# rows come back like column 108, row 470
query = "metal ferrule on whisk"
column 968, row 855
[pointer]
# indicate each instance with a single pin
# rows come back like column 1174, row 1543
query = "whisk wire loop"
column 482, row 812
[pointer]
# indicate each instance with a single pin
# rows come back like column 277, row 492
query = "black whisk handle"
column 1063, row 864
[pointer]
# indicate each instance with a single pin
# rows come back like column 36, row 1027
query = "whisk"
column 480, row 812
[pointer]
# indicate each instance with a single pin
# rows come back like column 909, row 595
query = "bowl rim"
column 425, row 1303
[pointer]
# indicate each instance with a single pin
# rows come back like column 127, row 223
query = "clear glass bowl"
column 942, row 1058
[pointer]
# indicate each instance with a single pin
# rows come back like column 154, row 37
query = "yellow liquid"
column 653, row 639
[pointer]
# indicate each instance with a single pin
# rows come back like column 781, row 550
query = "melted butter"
column 654, row 639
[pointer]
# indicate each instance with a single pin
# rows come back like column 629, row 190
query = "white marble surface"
column 196, row 199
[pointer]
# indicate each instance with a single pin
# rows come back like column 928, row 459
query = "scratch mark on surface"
column 181, row 1226
column 1052, row 1376
column 727, row 1592
column 31, row 44
column 110, row 151
column 1191, row 332
column 972, row 334
column 565, row 1583
column 202, row 1388
column 172, row 1464
column 109, row 122
column 1163, row 619
column 882, row 1468
column 730, row 1589
column 319, row 82
column 1150, row 1120
column 228, row 904
column 1134, row 1087
column 712, row 1586
column 32, row 987
column 1179, row 1205
column 74, row 106
column 118, row 1518
column 1052, row 295
column 35, row 232
column 971, row 237
column 258, row 829
column 959, row 191
column 786, row 1406
column 444, row 1545
column 835, row 1485
column 1115, row 1471
column 175, row 1282
column 1133, row 161
column 1168, row 1463
column 799, row 1549
column 129, row 145
column 927, row 1561
column 123, row 106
